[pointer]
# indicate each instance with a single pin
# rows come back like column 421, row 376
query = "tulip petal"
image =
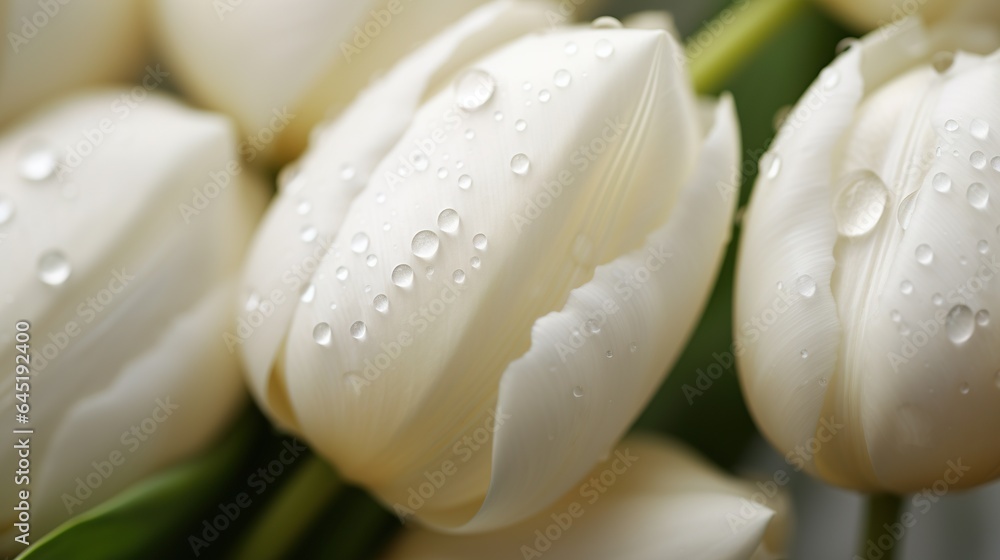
column 281, row 265
column 658, row 501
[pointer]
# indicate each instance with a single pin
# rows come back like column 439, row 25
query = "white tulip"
column 281, row 67
column 54, row 46
column 868, row 267
column 120, row 238
column 651, row 500
column 869, row 14
column 525, row 254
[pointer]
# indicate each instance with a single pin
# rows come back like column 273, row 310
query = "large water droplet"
column 358, row 330
column 458, row 276
column 322, row 334
column 402, row 276
column 979, row 129
column 860, row 203
column 606, row 22
column 425, row 244
column 924, row 254
column 562, row 78
column 359, row 243
column 603, row 48
column 343, row 273
column 941, row 182
column 977, row 195
column 6, row 209
column 381, row 303
column 960, row 324
column 464, row 182
column 978, row 160
column 448, row 220
column 806, row 286
column 37, row 163
column 473, row 89
column 905, row 212
column 53, row 268
column 519, row 164
column 951, row 125
column 479, row 242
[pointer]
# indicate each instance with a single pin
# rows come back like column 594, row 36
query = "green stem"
column 733, row 36
column 883, row 509
column 276, row 532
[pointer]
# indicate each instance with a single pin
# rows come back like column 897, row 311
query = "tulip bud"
column 651, row 498
column 54, row 46
column 119, row 239
column 869, row 14
column 279, row 68
column 868, row 269
column 470, row 301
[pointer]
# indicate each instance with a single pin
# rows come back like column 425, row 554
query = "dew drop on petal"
column 937, row 299
column 905, row 212
column 479, row 242
column 458, row 276
column 995, row 163
column 860, row 203
column 960, row 324
column 498, row 116
column 770, row 164
column 464, row 182
column 979, row 129
column 978, row 160
column 906, row 287
column 37, row 163
column 519, row 164
column 442, row 173
column 804, row 354
column 570, row 48
column 983, row 318
column 964, row 388
column 381, row 303
column 303, row 208
column 425, row 244
column 609, row 354
column 402, row 276
column 308, row 234
column 806, row 286
column 448, row 220
column 253, row 302
column 603, row 48
column 951, row 125
column 342, row 273
column 924, row 254
column 606, row 22
column 578, row 391
column 983, row 246
column 562, row 78
column 322, row 334
column 347, row 172
column 544, row 95
column 592, row 327
column 473, row 89
column 308, row 294
column 359, row 243
column 520, row 125
column 475, row 262
column 977, row 195
column 53, row 268
column 941, row 182
column 371, row 261
column 470, row 134
column 633, row 347
column 358, row 330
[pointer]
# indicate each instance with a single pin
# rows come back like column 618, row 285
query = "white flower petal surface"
column 651, row 500
column 865, row 284
column 115, row 226
column 53, row 47
column 309, row 57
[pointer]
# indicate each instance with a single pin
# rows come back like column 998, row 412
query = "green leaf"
column 135, row 522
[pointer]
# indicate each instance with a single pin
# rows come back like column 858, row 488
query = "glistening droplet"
column 448, row 220
column 860, row 203
column 473, row 89
column 977, row 195
column 402, row 276
column 425, row 244
column 924, row 254
column 960, row 324
column 53, row 268
column 358, row 330
column 519, row 164
column 322, row 334
column 381, row 303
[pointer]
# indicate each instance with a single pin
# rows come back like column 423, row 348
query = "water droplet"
column 924, row 254
column 303, row 208
column 322, row 334
column 578, row 391
column 402, row 276
column 983, row 318
column 519, row 164
column 473, row 89
column 6, row 210
column 479, row 242
column 633, row 347
column 950, row 125
column 429, row 271
column 544, row 96
column 964, row 388
column 253, row 302
column 380, row 198
column 359, row 243
column 308, row 294
column 592, row 327
column 381, row 303
column 520, row 125
column 980, row 129
column 37, row 163
column 829, row 78
column 308, row 234
column 905, row 212
column 425, row 244
column 804, row 354
column 458, row 276
column 442, row 173
column 978, row 160
column 845, row 44
column 860, row 204
column 470, row 134
column 937, row 299
column 53, row 268
column 475, row 262
column 498, row 116
column 347, row 172
column 806, row 286
column 941, row 182
column 823, row 381
column 609, row 354
column 603, row 48
column 977, row 195
column 333, row 306
column 371, row 261
column 419, row 161
column 562, row 78
column 464, row 182
column 770, row 164
column 960, row 324
column 448, row 220
column 343, row 273
column 570, row 48
column 358, row 330
column 906, row 287
column 606, row 22
column 995, row 163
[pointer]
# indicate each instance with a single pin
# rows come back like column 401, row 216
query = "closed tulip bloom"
column 868, row 269
column 54, row 46
column 119, row 241
column 869, row 14
column 281, row 67
column 476, row 279
column 652, row 499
